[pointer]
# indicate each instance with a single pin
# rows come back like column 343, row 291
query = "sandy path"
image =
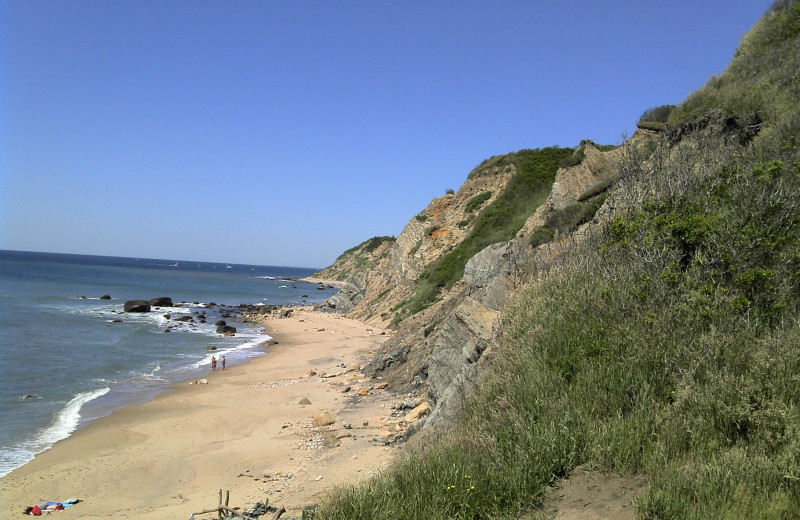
column 244, row 431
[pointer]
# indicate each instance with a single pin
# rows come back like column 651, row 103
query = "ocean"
column 69, row 356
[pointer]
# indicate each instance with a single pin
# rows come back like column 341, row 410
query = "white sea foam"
column 64, row 423
column 154, row 375
column 235, row 354
column 67, row 419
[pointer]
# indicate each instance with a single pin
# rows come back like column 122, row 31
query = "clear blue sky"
column 284, row 132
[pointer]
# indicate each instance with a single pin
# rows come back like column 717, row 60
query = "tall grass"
column 639, row 355
column 667, row 344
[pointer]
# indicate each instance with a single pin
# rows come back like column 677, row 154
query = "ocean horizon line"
column 86, row 256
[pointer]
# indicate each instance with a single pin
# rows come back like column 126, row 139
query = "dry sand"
column 244, row 431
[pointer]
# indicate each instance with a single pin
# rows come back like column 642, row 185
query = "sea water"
column 69, row 356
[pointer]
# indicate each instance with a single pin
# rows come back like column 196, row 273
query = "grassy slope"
column 356, row 260
column 498, row 222
column 670, row 348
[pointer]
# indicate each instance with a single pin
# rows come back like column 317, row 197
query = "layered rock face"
column 441, row 351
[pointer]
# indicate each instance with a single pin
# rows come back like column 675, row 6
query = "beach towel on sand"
column 51, row 506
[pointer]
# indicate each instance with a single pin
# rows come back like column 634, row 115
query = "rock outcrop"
column 441, row 352
column 136, row 306
column 161, row 301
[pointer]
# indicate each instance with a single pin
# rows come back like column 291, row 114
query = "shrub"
column 651, row 125
column 659, row 114
column 574, row 159
column 490, row 166
column 567, row 219
column 598, row 188
column 477, row 201
column 464, row 223
column 541, row 235
column 365, row 247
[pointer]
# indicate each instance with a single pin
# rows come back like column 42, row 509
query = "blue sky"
column 284, row 132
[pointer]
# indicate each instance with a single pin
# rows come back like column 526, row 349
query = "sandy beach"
column 245, row 430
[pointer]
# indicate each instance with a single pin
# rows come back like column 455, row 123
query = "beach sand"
column 244, row 431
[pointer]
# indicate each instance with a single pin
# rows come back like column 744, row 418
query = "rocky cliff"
column 440, row 351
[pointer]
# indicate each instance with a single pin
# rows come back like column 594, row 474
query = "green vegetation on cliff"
column 668, row 346
column 355, row 260
column 498, row 222
column 759, row 88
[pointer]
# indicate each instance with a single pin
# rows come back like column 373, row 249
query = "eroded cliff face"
column 377, row 282
column 441, row 352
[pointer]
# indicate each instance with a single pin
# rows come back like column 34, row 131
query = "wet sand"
column 245, row 431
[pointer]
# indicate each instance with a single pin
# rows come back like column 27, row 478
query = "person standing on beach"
column 223, row 362
column 213, row 363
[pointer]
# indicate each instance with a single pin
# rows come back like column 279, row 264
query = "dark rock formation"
column 137, row 306
column 226, row 329
column 161, row 301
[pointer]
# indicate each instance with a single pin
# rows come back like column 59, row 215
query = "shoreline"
column 338, row 284
column 130, row 392
column 244, row 431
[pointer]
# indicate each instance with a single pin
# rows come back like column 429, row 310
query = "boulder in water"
column 137, row 306
column 226, row 329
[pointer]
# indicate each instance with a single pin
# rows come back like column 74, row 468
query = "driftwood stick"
column 219, row 507
column 227, row 496
column 278, row 513
column 231, row 511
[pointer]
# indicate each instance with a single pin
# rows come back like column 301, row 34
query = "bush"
column 567, row 219
column 598, row 188
column 490, row 166
column 574, row 159
column 658, row 114
column 477, row 201
column 541, row 235
column 652, row 125
column 367, row 246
